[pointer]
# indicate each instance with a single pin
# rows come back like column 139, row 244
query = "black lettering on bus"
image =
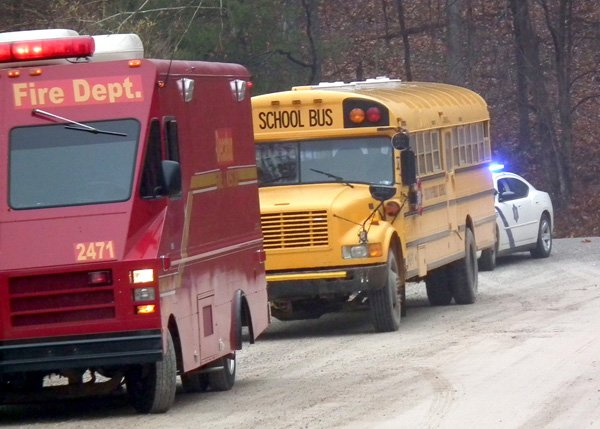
column 320, row 117
column 282, row 119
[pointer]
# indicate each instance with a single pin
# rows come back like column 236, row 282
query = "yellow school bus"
column 365, row 186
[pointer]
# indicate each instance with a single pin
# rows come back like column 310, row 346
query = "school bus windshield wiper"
column 77, row 126
column 333, row 176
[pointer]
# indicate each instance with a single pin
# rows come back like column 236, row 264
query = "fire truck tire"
column 437, row 284
column 543, row 245
column 194, row 383
column 385, row 304
column 223, row 378
column 151, row 388
column 464, row 273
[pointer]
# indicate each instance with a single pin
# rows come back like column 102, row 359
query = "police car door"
column 514, row 209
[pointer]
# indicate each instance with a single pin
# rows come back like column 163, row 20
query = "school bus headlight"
column 142, row 276
column 372, row 250
column 144, row 294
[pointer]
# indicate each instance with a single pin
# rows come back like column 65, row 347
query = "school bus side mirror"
column 401, row 141
column 382, row 193
column 408, row 166
column 171, row 171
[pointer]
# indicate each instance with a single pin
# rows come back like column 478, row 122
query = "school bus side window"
column 152, row 177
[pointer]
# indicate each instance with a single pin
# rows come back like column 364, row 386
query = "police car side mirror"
column 506, row 196
column 171, row 171
column 382, row 193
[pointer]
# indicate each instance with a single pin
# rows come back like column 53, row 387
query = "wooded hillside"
column 536, row 62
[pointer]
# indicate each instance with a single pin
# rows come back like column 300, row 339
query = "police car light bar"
column 45, row 49
column 495, row 167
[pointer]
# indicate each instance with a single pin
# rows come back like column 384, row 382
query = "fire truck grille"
column 295, row 229
column 58, row 298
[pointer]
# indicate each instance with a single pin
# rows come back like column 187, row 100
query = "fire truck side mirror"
column 171, row 171
column 409, row 167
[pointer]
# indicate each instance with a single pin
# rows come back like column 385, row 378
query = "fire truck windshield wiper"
column 78, row 126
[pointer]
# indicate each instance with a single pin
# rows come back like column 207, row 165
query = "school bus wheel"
column 385, row 304
column 463, row 279
column 437, row 284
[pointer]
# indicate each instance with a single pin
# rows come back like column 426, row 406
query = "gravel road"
column 525, row 355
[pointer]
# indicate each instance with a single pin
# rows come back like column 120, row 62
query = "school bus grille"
column 295, row 229
column 58, row 298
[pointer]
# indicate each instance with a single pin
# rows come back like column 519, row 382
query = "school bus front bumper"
column 314, row 283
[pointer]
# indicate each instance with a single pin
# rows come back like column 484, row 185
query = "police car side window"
column 520, row 188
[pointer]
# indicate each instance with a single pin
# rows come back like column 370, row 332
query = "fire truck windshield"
column 55, row 165
column 350, row 160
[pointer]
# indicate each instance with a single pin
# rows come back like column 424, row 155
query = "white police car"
column 524, row 219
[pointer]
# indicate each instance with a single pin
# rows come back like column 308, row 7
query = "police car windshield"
column 52, row 166
column 355, row 160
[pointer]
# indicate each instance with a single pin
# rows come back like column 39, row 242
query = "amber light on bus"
column 70, row 47
column 371, row 250
column 364, row 113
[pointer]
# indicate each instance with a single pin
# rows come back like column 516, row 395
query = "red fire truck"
column 130, row 241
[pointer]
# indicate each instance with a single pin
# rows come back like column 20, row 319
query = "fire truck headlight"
column 142, row 276
column 144, row 294
column 372, row 250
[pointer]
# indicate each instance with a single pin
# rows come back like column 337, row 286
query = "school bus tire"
column 151, row 388
column 437, row 284
column 223, row 378
column 464, row 273
column 487, row 260
column 385, row 304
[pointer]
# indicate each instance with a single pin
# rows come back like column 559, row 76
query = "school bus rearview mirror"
column 409, row 167
column 400, row 141
column 382, row 193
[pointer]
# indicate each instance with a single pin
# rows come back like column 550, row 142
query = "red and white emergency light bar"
column 24, row 47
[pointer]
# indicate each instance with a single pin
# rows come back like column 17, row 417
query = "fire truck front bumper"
column 331, row 282
column 86, row 351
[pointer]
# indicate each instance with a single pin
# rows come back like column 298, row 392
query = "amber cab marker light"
column 135, row 63
column 357, row 115
column 14, row 73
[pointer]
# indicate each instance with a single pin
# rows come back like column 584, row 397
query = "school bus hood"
column 328, row 196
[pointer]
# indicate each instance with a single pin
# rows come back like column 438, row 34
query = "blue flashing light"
column 495, row 167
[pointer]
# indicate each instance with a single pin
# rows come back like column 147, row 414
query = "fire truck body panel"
column 70, row 254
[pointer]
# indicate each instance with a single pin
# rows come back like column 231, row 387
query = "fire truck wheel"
column 385, row 304
column 195, row 382
column 438, row 286
column 223, row 378
column 463, row 279
column 151, row 388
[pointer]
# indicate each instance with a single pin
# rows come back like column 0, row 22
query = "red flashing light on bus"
column 46, row 49
column 363, row 113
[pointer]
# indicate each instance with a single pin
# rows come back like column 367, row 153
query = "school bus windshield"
column 355, row 160
column 58, row 165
